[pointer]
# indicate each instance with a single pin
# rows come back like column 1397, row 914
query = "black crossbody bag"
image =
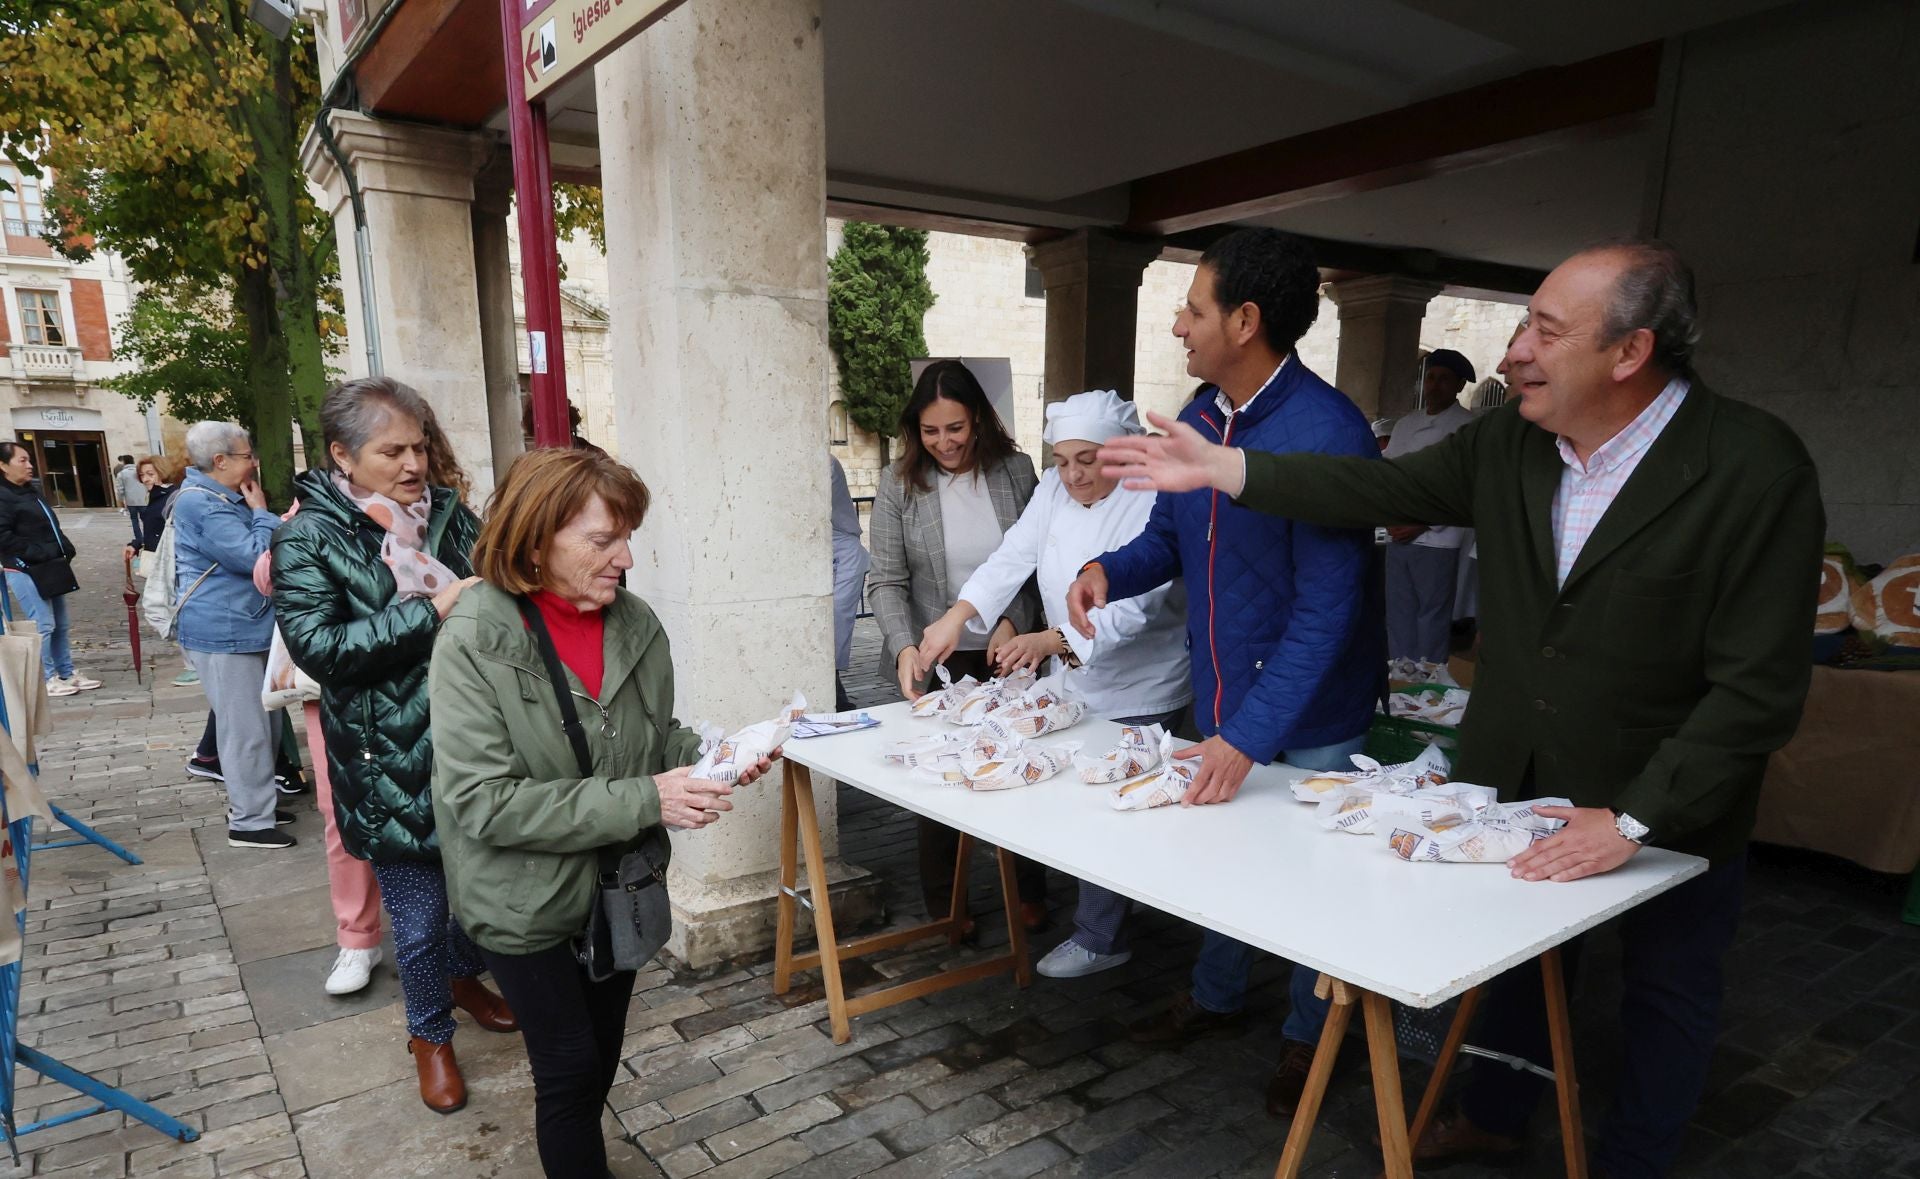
column 52, row 579
column 632, row 914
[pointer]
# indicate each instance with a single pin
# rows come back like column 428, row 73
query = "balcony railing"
column 19, row 228
column 42, row 362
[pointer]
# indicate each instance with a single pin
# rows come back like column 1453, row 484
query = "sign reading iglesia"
column 561, row 38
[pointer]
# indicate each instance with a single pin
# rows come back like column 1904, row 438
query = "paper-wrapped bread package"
column 1431, row 768
column 1043, row 708
column 1014, row 763
column 945, row 698
column 933, row 751
column 1494, row 836
column 1361, row 809
column 726, row 759
column 984, row 699
column 1137, row 752
column 987, row 762
column 1165, row 786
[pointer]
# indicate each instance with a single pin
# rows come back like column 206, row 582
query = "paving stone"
column 771, row 1159
column 1029, row 1158
column 1017, row 1127
column 907, row 1078
column 935, row 1127
column 673, row 1134
column 976, row 1080
column 856, row 1158
column 757, row 1075
column 751, row 1136
column 862, row 1123
column 1103, row 1125
column 1110, row 1157
column 935, row 1162
column 690, row 1159
column 820, row 1080
column 1047, row 1082
column 1154, row 1070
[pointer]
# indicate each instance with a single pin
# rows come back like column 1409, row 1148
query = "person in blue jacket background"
column 1283, row 618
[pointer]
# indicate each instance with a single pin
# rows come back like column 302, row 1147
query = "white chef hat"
column 1094, row 416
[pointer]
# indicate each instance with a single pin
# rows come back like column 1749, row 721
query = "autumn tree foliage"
column 172, row 129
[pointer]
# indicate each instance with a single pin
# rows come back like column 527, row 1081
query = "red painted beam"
column 1467, row 129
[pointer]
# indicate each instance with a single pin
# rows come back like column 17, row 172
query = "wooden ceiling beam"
column 1472, row 128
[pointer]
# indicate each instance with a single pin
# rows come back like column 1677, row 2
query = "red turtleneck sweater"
column 579, row 637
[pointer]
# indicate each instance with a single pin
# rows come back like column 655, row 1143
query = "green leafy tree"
column 188, row 353
column 172, row 128
column 877, row 301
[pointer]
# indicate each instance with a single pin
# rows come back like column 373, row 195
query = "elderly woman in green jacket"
column 523, row 831
column 363, row 575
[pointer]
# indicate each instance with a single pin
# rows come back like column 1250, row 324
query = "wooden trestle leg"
column 800, row 835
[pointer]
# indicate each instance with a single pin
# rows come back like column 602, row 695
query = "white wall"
column 1794, row 189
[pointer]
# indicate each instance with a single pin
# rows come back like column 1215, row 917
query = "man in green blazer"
column 1649, row 552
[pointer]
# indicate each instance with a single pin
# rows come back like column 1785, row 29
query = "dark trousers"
column 940, row 844
column 139, row 532
column 573, row 1028
column 1672, row 948
column 286, row 758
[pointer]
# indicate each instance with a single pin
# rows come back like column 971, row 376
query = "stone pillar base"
column 735, row 918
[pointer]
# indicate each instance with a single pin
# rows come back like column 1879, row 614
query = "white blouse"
column 1136, row 663
column 972, row 531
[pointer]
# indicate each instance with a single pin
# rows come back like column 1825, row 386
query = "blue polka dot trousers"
column 430, row 947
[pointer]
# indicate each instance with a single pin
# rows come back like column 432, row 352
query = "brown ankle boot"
column 489, row 1010
column 441, row 1085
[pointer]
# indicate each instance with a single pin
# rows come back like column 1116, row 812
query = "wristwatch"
column 1629, row 827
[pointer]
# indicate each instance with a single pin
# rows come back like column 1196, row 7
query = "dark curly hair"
column 1275, row 272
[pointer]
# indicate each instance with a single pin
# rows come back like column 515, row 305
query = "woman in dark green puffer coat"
column 363, row 575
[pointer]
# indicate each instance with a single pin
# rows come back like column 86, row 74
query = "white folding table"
column 1258, row 869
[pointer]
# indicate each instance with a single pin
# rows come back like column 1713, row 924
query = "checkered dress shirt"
column 1588, row 489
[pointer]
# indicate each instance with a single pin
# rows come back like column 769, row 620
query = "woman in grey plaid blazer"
column 954, row 448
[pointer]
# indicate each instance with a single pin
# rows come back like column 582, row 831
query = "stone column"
column 713, row 161
column 1379, row 362
column 1092, row 279
column 493, row 273
column 417, row 185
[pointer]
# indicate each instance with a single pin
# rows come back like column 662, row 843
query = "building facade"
column 56, row 346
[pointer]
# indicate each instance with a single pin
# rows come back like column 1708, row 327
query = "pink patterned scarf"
column 416, row 574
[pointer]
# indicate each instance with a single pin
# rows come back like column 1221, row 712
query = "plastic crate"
column 1394, row 739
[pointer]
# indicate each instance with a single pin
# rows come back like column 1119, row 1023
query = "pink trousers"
column 356, row 896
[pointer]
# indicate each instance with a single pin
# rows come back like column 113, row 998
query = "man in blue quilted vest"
column 1283, row 618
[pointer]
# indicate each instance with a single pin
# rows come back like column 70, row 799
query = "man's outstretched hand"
column 1178, row 460
column 1087, row 594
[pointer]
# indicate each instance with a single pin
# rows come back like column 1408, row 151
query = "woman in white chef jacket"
column 1134, row 670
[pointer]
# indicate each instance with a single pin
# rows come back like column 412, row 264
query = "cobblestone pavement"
column 193, row 981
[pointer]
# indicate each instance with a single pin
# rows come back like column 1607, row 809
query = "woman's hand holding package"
column 941, row 638
column 1002, row 632
column 688, row 803
column 1026, row 652
column 911, row 674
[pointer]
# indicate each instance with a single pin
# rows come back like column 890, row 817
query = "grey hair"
column 355, row 410
column 1654, row 291
column 207, row 441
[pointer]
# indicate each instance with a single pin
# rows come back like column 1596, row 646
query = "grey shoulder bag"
column 632, row 914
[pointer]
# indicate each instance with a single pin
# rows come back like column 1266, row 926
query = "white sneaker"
column 59, row 687
column 352, row 971
column 1070, row 959
column 82, row 683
